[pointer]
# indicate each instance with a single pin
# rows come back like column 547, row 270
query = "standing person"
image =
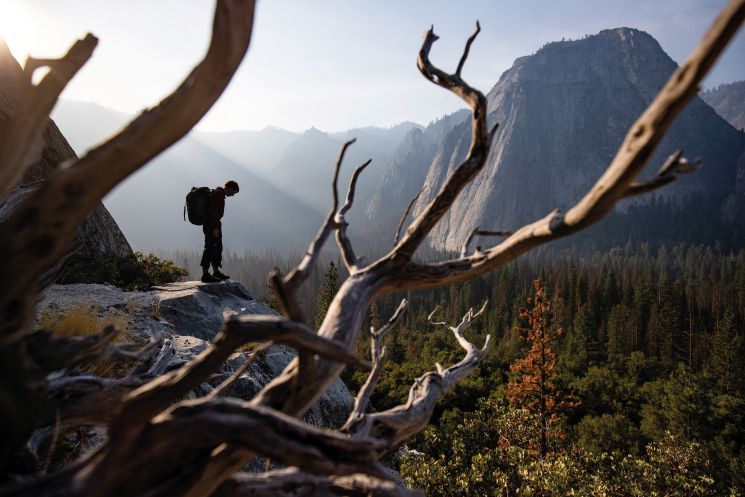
column 212, row 229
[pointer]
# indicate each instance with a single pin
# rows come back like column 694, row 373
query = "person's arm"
column 216, row 209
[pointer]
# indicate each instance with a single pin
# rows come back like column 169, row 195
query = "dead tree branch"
column 401, row 422
column 396, row 271
column 475, row 157
column 477, row 232
column 674, row 165
column 351, row 261
column 378, row 358
column 168, row 389
column 293, row 481
column 403, row 218
column 300, row 273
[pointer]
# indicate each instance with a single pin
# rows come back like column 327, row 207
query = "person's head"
column 231, row 188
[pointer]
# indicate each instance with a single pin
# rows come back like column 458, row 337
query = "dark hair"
column 233, row 185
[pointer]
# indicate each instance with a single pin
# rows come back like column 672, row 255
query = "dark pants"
column 212, row 248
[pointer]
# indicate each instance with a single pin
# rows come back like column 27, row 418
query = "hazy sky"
column 333, row 64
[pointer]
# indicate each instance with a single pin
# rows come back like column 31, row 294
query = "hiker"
column 212, row 229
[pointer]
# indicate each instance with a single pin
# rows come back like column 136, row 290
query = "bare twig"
column 406, row 214
column 478, row 232
column 300, row 273
column 167, row 389
column 674, row 165
column 378, row 358
column 467, row 49
column 337, row 169
column 351, row 189
column 468, row 169
column 351, row 261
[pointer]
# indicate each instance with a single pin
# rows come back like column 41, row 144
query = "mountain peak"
column 314, row 132
column 607, row 39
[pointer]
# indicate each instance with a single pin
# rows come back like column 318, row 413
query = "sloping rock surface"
column 99, row 234
column 191, row 313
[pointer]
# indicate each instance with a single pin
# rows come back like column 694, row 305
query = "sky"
column 332, row 64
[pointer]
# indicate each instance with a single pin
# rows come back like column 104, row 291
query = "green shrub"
column 134, row 272
column 609, row 433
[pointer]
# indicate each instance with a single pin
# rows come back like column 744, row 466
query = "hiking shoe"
column 208, row 278
column 219, row 275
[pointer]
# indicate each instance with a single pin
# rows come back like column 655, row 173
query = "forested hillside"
column 651, row 353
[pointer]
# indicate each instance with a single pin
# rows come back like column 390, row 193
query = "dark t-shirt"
column 216, row 207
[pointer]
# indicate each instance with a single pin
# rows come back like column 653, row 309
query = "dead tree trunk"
column 147, row 453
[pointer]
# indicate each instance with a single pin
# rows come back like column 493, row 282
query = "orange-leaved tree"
column 533, row 384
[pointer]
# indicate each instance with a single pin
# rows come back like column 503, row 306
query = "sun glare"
column 15, row 24
column 24, row 27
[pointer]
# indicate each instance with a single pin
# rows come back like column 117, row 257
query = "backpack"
column 197, row 201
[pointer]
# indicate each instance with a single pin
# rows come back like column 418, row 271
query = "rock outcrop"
column 99, row 234
column 563, row 113
column 190, row 314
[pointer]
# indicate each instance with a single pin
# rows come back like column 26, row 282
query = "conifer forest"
column 643, row 355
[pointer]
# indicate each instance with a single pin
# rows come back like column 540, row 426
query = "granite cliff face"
column 563, row 113
column 405, row 172
column 99, row 233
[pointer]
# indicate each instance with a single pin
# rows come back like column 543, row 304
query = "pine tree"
column 326, row 292
column 727, row 357
column 533, row 383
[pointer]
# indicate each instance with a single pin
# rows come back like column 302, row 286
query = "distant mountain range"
column 285, row 179
column 729, row 102
column 149, row 205
column 563, row 113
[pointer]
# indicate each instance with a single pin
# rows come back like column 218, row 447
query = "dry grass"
column 82, row 321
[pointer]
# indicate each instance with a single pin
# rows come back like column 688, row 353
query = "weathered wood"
column 292, row 481
column 377, row 351
column 401, row 422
